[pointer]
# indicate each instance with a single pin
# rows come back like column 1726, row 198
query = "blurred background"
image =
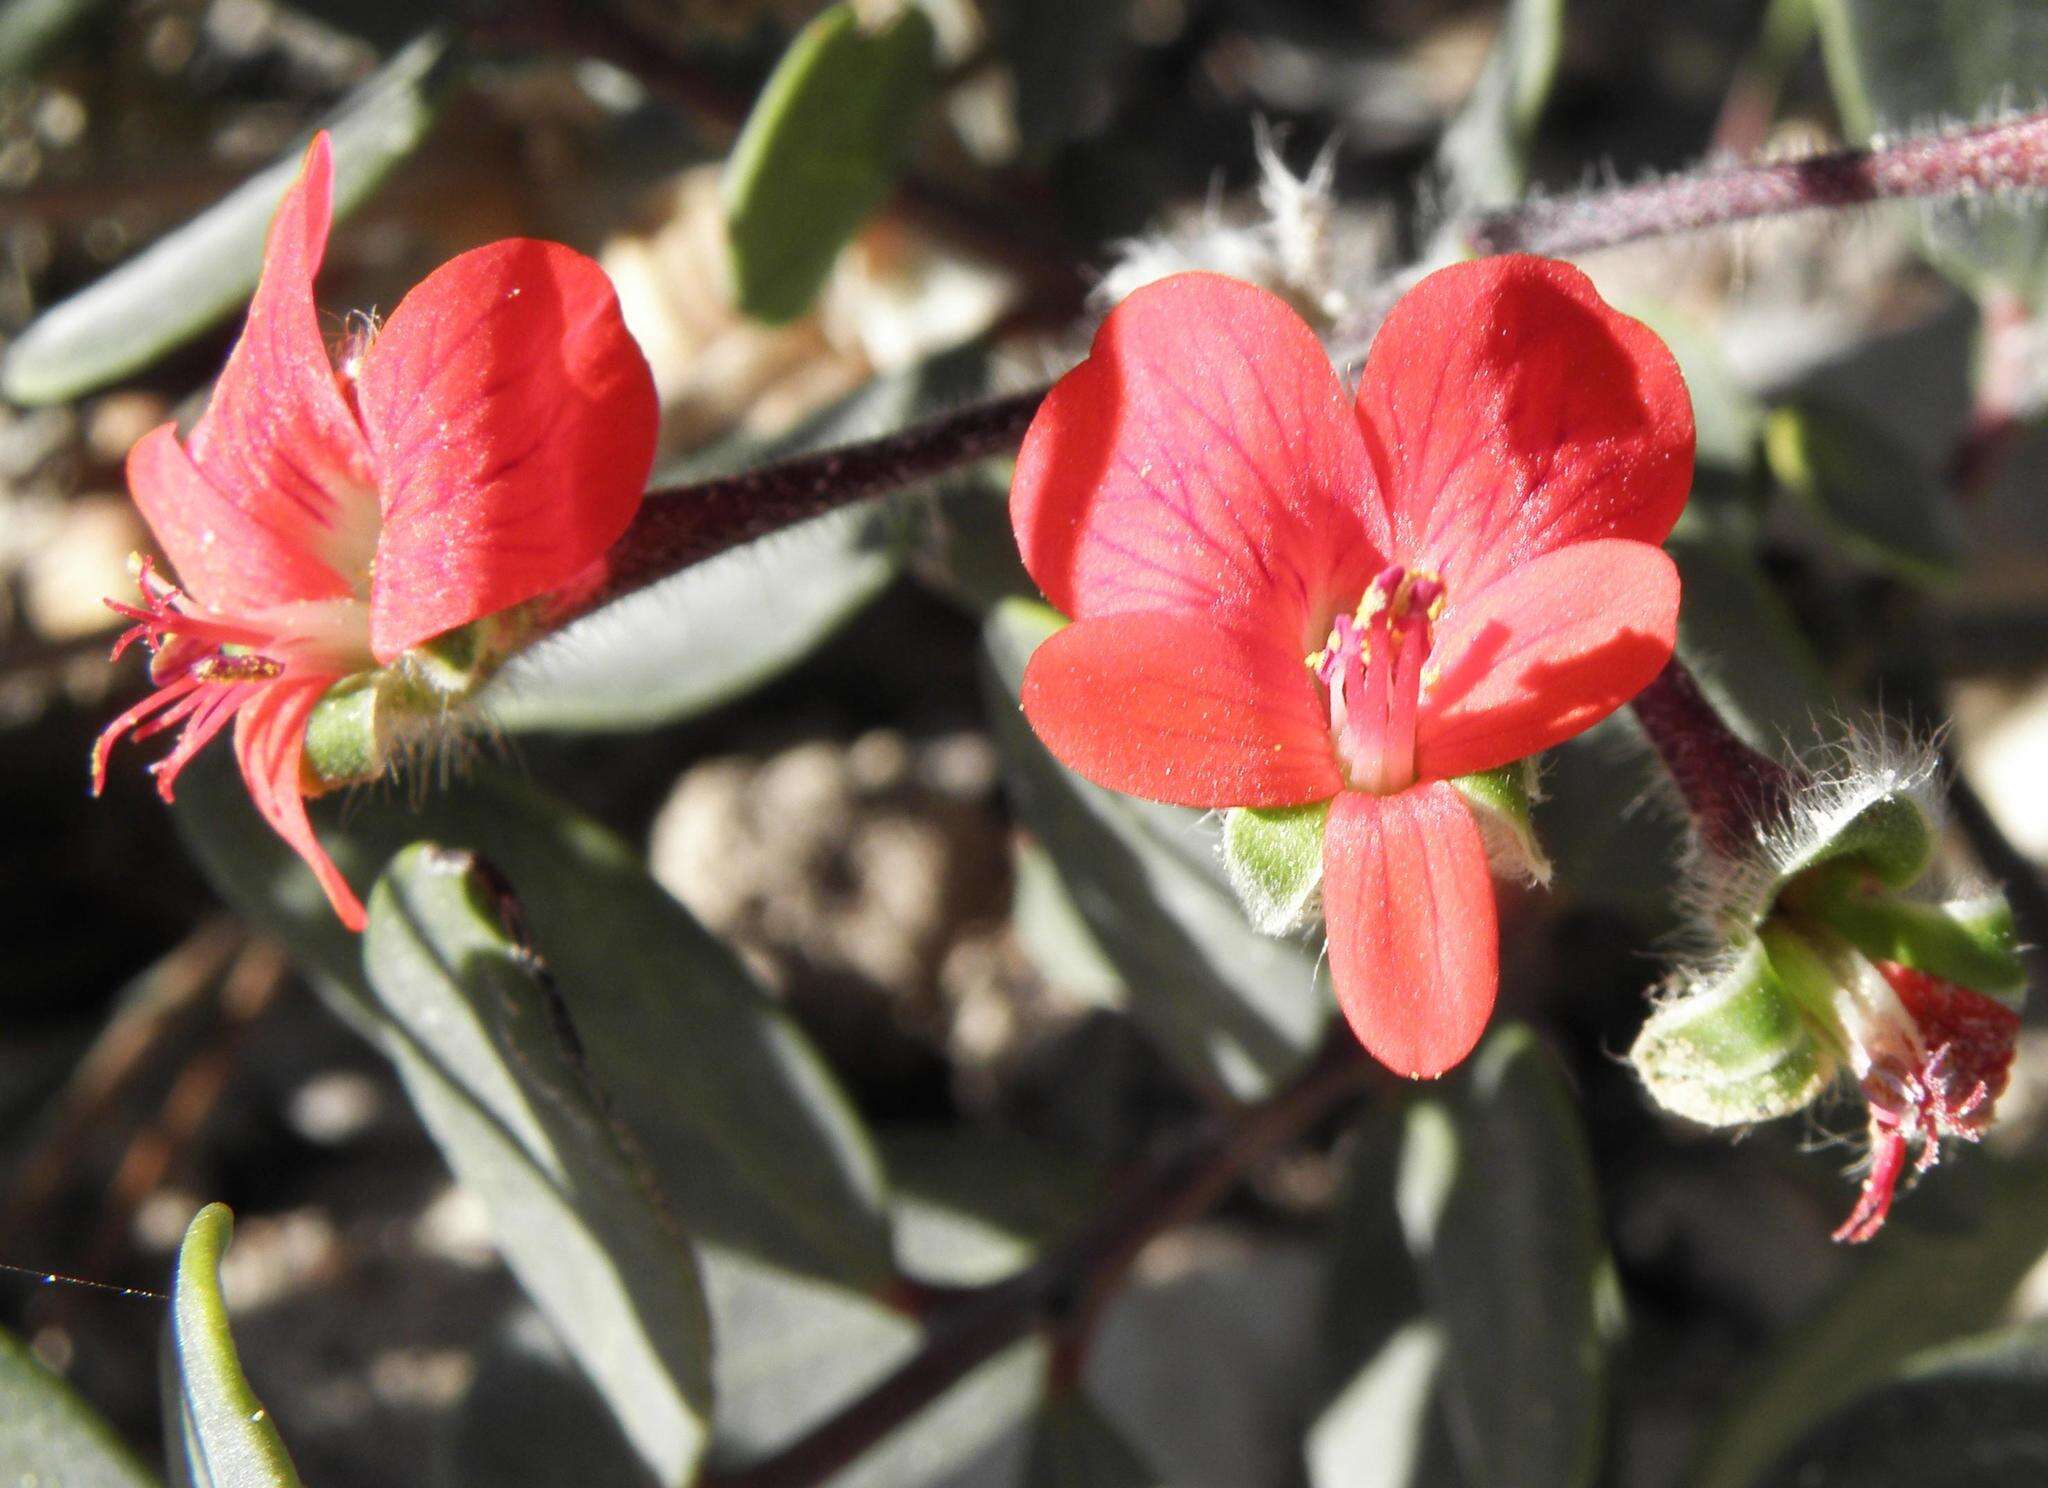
column 816, row 777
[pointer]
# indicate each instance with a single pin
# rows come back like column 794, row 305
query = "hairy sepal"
column 1274, row 857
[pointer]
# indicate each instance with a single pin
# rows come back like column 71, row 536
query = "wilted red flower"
column 1466, row 558
column 481, row 450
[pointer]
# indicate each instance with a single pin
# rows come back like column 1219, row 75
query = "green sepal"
column 1892, row 836
column 1967, row 941
column 348, row 736
column 1274, row 857
column 1500, row 801
column 1733, row 1050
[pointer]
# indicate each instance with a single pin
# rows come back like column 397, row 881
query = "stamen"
column 1374, row 666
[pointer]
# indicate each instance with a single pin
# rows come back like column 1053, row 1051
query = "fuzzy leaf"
column 1966, row 1412
column 1234, row 1009
column 1733, row 1050
column 1918, row 1290
column 1275, row 861
column 820, row 151
column 749, row 1133
column 1891, row 835
column 1496, row 1197
column 217, row 1433
column 193, row 277
column 1484, row 155
column 487, row 1054
column 48, row 1434
column 1869, row 490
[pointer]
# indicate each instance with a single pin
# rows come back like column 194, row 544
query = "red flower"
column 481, row 450
column 1466, row 557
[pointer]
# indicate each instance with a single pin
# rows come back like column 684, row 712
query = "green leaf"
column 1891, row 835
column 749, row 1133
column 712, row 632
column 1384, row 1429
column 1500, row 801
column 1916, row 1290
column 1867, row 488
column 1484, row 155
column 50, row 1435
column 821, row 149
column 492, row 1064
column 1234, row 1009
column 973, row 1207
column 30, row 28
column 1968, row 941
column 1733, row 1049
column 1072, row 1446
column 1497, row 1199
column 1968, row 1412
column 193, row 277
column 1275, row 861
column 1899, row 67
column 217, row 1433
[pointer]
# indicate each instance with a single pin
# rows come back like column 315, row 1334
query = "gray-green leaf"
column 217, row 1433
column 491, row 1062
column 1498, row 1202
column 192, row 277
column 49, row 1435
column 820, row 150
column 1866, row 488
column 1234, row 1008
column 749, row 1132
column 1072, row 1446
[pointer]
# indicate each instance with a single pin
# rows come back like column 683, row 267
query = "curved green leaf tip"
column 214, row 1421
column 821, row 149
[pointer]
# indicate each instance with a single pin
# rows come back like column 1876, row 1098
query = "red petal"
column 1201, row 457
column 1545, row 652
column 229, row 557
column 1509, row 411
column 1414, row 951
column 277, row 439
column 270, row 739
column 513, row 419
column 1181, row 710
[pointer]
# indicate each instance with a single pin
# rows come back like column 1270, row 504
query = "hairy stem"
column 2011, row 156
column 1065, row 1291
column 1732, row 792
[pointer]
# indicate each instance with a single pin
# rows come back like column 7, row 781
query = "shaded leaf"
column 973, row 1206
column 748, row 1131
column 1866, row 488
column 721, row 627
column 194, row 276
column 1498, row 1203
column 492, row 1065
column 1384, row 1429
column 30, row 28
column 531, row 1419
column 1484, row 155
column 820, row 150
column 1916, row 1290
column 1059, row 52
column 48, row 1434
column 217, row 1433
column 1970, row 1412
column 1072, row 1446
column 1233, row 1008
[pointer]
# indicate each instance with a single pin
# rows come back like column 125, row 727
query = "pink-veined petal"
column 226, row 556
column 278, row 440
column 1183, row 710
column 270, row 741
column 1545, row 652
column 1510, row 411
column 1201, row 459
column 1414, row 946
column 513, row 419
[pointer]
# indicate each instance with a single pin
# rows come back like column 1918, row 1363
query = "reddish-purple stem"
column 1731, row 790
column 1993, row 158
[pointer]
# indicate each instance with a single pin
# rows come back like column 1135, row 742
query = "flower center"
column 1372, row 667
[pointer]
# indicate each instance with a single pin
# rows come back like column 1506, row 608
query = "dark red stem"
column 1993, row 158
column 1732, row 791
